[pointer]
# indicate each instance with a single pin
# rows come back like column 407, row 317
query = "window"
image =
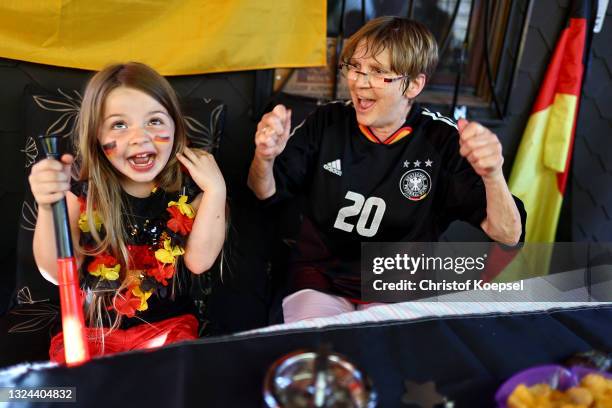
column 450, row 21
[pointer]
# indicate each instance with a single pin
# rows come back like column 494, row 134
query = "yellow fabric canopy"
column 176, row 37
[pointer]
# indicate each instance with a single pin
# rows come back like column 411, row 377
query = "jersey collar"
column 399, row 134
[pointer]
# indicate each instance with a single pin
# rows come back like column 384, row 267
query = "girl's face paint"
column 160, row 138
column 137, row 135
column 109, row 148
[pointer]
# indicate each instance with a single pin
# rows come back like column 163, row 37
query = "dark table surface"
column 467, row 357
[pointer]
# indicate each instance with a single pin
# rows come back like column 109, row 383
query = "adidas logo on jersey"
column 333, row 167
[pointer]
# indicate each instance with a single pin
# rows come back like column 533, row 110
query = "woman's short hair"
column 412, row 47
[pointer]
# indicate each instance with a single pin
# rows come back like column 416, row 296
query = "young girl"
column 142, row 222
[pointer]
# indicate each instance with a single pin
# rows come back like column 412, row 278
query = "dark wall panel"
column 591, row 183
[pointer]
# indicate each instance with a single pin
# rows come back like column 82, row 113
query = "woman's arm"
column 503, row 222
column 270, row 141
column 482, row 149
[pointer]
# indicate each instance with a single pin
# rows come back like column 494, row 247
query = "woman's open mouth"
column 364, row 105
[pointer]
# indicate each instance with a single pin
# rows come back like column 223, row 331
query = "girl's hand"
column 203, row 169
column 50, row 180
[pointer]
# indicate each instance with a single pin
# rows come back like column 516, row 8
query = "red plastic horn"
column 75, row 344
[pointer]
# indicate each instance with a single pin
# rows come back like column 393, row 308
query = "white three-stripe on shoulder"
column 437, row 116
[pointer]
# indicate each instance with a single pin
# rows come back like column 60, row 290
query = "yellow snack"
column 580, row 395
column 521, row 397
column 595, row 383
column 594, row 391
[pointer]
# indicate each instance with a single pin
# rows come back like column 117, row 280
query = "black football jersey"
column 357, row 189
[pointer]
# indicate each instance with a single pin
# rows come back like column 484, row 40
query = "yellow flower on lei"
column 84, row 225
column 185, row 208
column 143, row 297
column 168, row 253
column 110, row 273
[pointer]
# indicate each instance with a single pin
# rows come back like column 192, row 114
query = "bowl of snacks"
column 552, row 386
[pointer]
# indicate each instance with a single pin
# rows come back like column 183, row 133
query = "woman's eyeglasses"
column 375, row 79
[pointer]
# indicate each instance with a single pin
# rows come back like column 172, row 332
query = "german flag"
column 540, row 170
column 183, row 37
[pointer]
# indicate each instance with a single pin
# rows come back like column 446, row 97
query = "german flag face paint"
column 109, row 148
column 136, row 135
column 162, row 138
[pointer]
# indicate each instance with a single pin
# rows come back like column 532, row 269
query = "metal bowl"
column 290, row 383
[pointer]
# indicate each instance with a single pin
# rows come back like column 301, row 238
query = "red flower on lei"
column 162, row 272
column 141, row 257
column 179, row 223
column 126, row 303
column 105, row 266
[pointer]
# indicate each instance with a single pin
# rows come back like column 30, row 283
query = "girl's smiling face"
column 136, row 135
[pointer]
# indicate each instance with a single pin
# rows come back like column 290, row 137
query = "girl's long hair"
column 104, row 188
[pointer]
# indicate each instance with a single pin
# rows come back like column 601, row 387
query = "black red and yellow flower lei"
column 151, row 266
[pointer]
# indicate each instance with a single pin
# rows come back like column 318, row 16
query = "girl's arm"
column 45, row 252
column 49, row 182
column 208, row 233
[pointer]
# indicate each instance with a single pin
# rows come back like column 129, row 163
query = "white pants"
column 310, row 303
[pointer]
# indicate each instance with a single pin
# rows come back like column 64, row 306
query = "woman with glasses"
column 379, row 168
